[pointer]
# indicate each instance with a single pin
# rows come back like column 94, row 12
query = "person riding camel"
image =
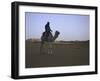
column 47, row 39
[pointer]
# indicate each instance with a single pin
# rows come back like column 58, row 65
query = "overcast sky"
column 71, row 27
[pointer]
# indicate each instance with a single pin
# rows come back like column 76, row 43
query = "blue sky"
column 71, row 27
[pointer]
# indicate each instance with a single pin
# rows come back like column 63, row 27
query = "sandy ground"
column 64, row 54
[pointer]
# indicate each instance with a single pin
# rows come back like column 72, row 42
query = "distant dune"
column 60, row 41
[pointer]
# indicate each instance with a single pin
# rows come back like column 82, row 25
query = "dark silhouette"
column 47, row 29
column 48, row 38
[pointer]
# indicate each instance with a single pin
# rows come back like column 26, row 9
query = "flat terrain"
column 64, row 54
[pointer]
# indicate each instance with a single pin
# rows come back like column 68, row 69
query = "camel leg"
column 49, row 48
column 41, row 47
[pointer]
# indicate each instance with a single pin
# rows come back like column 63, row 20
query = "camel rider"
column 48, row 29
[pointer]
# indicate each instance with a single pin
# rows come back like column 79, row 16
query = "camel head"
column 56, row 35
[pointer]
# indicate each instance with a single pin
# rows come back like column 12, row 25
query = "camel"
column 48, row 41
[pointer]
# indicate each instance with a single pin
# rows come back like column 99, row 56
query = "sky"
column 72, row 27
